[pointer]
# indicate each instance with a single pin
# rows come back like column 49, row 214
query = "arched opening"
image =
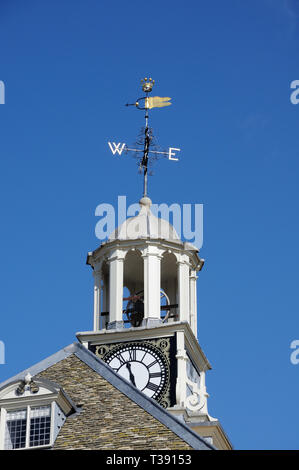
column 133, row 309
column 126, row 296
column 169, row 282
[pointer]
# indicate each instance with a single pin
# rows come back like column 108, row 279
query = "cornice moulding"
column 115, row 336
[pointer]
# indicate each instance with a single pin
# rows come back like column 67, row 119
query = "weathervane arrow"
column 146, row 103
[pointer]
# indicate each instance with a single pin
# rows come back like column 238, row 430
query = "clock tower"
column 145, row 302
column 145, row 317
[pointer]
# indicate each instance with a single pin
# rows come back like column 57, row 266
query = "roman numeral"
column 143, row 356
column 152, row 364
column 153, row 387
column 132, row 355
column 121, row 359
column 153, row 375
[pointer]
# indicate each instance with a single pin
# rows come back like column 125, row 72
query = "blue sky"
column 69, row 67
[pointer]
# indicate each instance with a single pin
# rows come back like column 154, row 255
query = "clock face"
column 141, row 364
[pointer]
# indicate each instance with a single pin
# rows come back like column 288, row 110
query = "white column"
column 152, row 284
column 193, row 302
column 116, row 274
column 97, row 299
column 182, row 358
column 183, row 288
column 2, row 427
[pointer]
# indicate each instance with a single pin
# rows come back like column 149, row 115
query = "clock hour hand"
column 132, row 378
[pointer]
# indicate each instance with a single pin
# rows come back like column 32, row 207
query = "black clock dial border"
column 159, row 357
column 166, row 347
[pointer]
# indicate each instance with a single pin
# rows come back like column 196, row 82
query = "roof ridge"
column 43, row 364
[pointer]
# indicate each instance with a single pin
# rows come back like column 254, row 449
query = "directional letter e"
column 171, row 153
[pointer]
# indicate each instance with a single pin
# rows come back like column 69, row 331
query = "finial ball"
column 145, row 201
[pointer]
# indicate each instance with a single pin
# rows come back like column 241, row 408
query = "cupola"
column 144, row 275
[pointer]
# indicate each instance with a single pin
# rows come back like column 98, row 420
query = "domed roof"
column 144, row 225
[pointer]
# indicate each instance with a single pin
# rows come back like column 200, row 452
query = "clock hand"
column 132, row 378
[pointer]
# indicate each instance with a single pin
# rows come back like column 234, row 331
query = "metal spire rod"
column 147, row 86
column 144, row 162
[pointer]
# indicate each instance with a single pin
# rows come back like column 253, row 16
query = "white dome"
column 144, row 225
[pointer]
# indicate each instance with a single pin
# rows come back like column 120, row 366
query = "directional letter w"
column 116, row 147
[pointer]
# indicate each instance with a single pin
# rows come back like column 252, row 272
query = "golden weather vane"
column 146, row 103
column 154, row 101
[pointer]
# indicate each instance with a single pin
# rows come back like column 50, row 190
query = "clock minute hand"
column 132, row 378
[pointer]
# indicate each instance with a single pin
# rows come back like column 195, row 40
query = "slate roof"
column 170, row 424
